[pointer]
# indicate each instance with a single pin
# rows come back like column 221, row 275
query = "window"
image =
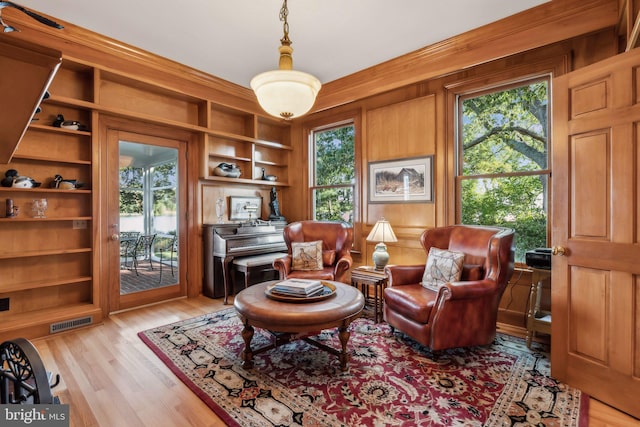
column 333, row 173
column 503, row 168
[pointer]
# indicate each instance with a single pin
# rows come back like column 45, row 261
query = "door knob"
column 558, row 250
column 115, row 237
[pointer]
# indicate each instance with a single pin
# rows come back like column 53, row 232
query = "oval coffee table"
column 297, row 320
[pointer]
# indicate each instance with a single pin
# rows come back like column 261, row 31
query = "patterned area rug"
column 391, row 381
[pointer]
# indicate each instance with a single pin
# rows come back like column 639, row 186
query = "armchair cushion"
column 307, row 256
column 442, row 267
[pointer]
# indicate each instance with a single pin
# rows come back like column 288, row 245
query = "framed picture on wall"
column 245, row 208
column 407, row 180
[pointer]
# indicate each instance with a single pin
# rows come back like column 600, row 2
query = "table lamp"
column 381, row 233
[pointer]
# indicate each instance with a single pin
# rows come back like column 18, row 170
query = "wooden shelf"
column 44, row 284
column 48, row 128
column 258, row 182
column 49, row 218
column 29, row 254
column 227, row 157
column 50, row 159
column 274, row 145
column 268, row 163
column 43, row 190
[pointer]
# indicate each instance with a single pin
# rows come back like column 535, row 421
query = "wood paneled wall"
column 401, row 107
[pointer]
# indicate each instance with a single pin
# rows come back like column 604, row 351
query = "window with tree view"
column 504, row 172
column 333, row 173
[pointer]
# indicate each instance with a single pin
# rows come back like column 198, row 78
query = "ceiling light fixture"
column 285, row 93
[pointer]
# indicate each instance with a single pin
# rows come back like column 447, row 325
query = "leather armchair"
column 335, row 236
column 462, row 313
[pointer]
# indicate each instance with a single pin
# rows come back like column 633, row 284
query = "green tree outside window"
column 504, row 175
column 334, row 173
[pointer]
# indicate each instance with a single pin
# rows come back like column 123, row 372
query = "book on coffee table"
column 299, row 287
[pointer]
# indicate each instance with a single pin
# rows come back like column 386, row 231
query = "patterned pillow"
column 306, row 255
column 442, row 267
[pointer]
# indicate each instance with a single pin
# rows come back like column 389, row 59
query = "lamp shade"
column 286, row 93
column 382, row 232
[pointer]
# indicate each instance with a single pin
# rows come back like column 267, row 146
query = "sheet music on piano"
column 224, row 242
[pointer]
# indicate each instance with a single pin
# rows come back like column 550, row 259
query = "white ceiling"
column 237, row 39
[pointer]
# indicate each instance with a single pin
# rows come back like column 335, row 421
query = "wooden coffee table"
column 297, row 320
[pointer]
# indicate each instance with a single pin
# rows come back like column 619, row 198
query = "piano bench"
column 246, row 265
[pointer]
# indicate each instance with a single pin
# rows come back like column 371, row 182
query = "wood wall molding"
column 543, row 25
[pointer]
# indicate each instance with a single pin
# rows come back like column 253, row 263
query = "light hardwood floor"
column 110, row 378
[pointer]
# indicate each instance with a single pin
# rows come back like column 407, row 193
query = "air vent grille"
column 70, row 324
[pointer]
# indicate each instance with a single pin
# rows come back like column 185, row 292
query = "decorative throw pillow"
column 442, row 267
column 306, row 255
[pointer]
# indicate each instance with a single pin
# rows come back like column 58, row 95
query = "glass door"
column 144, row 212
column 148, row 216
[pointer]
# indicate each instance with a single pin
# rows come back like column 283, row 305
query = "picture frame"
column 245, row 208
column 408, row 180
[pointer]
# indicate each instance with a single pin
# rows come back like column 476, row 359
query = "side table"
column 538, row 320
column 365, row 277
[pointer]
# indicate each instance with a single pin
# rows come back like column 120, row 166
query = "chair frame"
column 143, row 245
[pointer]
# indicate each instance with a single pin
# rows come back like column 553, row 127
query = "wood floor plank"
column 110, row 378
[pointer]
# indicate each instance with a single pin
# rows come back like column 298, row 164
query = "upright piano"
column 224, row 242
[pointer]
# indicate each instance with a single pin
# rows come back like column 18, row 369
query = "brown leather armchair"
column 462, row 313
column 337, row 239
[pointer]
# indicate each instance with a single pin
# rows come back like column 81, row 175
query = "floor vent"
column 70, row 324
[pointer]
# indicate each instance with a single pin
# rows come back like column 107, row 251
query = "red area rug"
column 391, row 381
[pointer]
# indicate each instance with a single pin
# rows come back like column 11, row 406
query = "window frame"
column 313, row 162
column 459, row 178
column 332, row 119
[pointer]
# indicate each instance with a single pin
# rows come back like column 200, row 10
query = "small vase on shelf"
column 220, row 209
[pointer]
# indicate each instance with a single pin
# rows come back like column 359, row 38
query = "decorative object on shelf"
column 9, row 176
column 39, row 208
column 285, row 93
column 245, row 208
column 65, row 184
column 58, row 121
column 229, row 170
column 73, row 125
column 275, row 207
column 39, row 18
column 11, row 211
column 219, row 209
column 382, row 233
column 13, row 179
column 266, row 177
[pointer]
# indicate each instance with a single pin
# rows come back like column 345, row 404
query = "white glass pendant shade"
column 286, row 93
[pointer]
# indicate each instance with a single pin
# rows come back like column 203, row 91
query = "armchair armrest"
column 342, row 267
column 470, row 289
column 283, row 266
column 404, row 274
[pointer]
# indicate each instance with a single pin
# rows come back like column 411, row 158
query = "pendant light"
column 285, row 93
